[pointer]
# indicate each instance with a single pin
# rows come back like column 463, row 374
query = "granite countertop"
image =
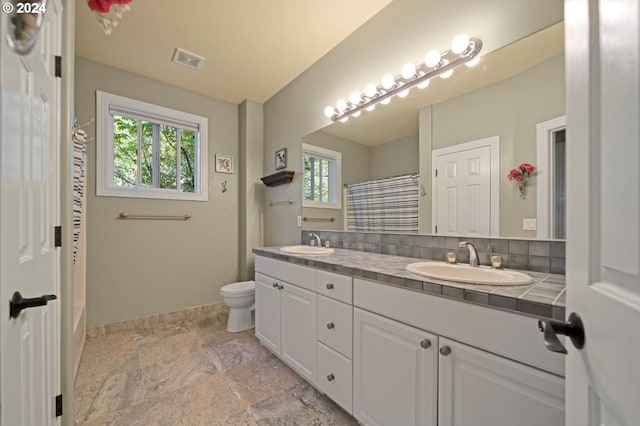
column 545, row 297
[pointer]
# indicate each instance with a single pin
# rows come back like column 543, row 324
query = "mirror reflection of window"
column 321, row 177
column 559, row 200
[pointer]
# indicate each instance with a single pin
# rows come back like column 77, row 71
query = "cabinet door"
column 268, row 312
column 482, row 389
column 394, row 372
column 299, row 316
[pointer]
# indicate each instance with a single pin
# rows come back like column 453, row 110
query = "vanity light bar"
column 439, row 64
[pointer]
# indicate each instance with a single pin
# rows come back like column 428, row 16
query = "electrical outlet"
column 299, row 221
column 529, row 224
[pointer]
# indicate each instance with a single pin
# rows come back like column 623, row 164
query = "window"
column 148, row 151
column 322, row 181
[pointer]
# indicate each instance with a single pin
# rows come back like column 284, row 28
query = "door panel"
column 299, row 317
column 268, row 312
column 603, row 209
column 395, row 381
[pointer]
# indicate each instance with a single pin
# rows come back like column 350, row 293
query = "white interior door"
column 603, row 216
column 29, row 194
column 466, row 189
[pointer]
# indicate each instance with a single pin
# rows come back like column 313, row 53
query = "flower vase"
column 522, row 188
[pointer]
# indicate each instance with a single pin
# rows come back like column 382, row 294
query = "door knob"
column 331, row 377
column 18, row 303
column 445, row 350
column 329, row 286
column 330, row 325
column 573, row 329
column 275, row 285
column 426, row 344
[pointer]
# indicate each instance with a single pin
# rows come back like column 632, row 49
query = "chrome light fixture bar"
column 463, row 51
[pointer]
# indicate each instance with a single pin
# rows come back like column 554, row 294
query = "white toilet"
column 240, row 297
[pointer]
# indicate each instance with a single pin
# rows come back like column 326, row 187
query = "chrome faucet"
column 473, row 253
column 317, row 237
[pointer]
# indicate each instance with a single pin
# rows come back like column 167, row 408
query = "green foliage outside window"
column 316, row 179
column 128, row 156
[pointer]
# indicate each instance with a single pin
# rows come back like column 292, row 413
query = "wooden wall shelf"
column 279, row 178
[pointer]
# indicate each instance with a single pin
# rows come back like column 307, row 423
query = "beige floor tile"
column 167, row 348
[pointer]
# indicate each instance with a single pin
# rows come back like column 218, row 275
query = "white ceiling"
column 252, row 48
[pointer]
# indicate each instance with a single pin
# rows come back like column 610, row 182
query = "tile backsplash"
column 531, row 255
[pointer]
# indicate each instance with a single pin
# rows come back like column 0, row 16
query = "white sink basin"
column 307, row 250
column 467, row 274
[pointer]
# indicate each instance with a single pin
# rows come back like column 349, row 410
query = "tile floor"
column 190, row 371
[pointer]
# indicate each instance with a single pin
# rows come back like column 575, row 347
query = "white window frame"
column 335, row 193
column 104, row 148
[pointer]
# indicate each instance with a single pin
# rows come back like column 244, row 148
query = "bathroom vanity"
column 393, row 349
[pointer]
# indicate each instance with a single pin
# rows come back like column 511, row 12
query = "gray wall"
column 402, row 32
column 510, row 109
column 138, row 268
column 394, row 158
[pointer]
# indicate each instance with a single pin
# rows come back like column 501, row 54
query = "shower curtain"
column 79, row 157
column 384, row 205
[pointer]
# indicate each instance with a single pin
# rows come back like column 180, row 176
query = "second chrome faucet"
column 473, row 253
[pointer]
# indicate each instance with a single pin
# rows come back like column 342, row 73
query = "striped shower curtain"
column 79, row 158
column 384, row 205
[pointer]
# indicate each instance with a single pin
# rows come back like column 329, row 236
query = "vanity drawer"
column 335, row 325
column 336, row 286
column 335, row 377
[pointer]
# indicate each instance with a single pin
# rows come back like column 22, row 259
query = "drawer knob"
column 445, row 350
column 426, row 344
column 280, row 287
column 329, row 286
column 275, row 285
column 331, row 325
column 331, row 377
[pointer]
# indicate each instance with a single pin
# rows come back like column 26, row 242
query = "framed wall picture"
column 224, row 163
column 281, row 159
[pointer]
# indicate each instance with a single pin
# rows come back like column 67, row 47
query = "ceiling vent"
column 187, row 59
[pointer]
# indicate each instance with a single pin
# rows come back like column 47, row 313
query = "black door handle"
column 573, row 329
column 18, row 303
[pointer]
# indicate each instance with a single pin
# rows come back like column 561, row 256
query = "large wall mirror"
column 473, row 128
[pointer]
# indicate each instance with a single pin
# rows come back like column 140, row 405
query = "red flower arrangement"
column 520, row 175
column 103, row 6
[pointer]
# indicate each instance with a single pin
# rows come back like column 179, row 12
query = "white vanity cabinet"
column 477, row 388
column 286, row 318
column 395, row 372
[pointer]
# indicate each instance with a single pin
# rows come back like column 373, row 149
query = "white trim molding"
column 493, row 142
column 544, row 139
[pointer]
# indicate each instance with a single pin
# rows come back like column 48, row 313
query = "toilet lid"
column 239, row 287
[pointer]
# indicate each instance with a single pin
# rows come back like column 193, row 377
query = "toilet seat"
column 239, row 288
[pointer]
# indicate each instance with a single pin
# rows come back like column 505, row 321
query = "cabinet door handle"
column 331, row 377
column 331, row 325
column 275, row 285
column 445, row 350
column 280, row 287
column 329, row 286
column 426, row 344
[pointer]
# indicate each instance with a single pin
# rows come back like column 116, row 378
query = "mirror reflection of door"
column 466, row 188
column 551, row 178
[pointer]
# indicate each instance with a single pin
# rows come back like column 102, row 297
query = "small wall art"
column 281, row 159
column 224, row 163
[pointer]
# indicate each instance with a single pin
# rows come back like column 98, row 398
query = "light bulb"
column 370, row 91
column 341, row 105
column 355, row 98
column 423, row 84
column 344, row 120
column 356, row 114
column 329, row 111
column 473, row 62
column 408, row 71
column 386, row 101
column 404, row 93
column 432, row 58
column 460, row 43
column 371, row 107
column 388, row 81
